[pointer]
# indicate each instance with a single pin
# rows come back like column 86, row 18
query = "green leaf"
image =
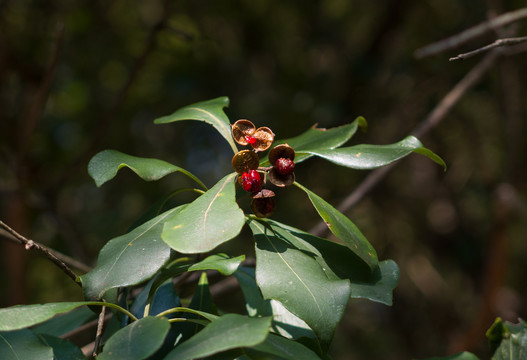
column 209, row 111
column 207, row 222
column 344, row 229
column 62, row 349
column 220, row 262
column 21, row 316
column 227, row 332
column 129, row 259
column 339, row 262
column 459, row 356
column 513, row 345
column 317, row 138
column 285, row 323
column 105, row 165
column 295, row 279
column 136, row 341
column 62, row 324
column 23, row 344
column 285, row 349
column 374, row 156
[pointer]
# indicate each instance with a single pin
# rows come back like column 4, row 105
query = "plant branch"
column 98, row 336
column 495, row 44
column 432, row 120
column 30, row 244
column 470, row 33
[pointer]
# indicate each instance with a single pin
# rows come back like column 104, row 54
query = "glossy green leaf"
column 374, row 156
column 285, row 323
column 62, row 349
column 223, row 263
column 285, row 349
column 163, row 298
column 226, row 332
column 105, row 165
column 317, row 138
column 344, row 229
column 513, row 344
column 459, row 356
column 339, row 262
column 136, row 341
column 294, row 278
column 207, row 222
column 209, row 111
column 22, row 316
column 129, row 259
column 23, row 345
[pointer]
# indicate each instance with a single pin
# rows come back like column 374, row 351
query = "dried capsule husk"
column 281, row 151
column 280, row 180
column 263, row 203
column 264, row 139
column 245, row 161
column 241, row 129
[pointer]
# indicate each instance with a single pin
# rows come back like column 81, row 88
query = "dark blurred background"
column 77, row 77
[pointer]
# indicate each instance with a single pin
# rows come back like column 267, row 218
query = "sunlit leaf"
column 512, row 340
column 207, row 222
column 344, row 229
column 136, row 341
column 374, row 156
column 223, row 263
column 287, row 274
column 105, row 165
column 209, row 111
column 317, row 138
column 339, row 262
column 226, row 332
column 22, row 316
column 285, row 323
column 23, row 344
column 129, row 259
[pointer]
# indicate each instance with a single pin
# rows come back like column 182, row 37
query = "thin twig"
column 433, row 118
column 31, row 245
column 98, row 336
column 495, row 44
column 471, row 33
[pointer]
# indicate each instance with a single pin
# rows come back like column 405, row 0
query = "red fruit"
column 284, row 166
column 251, row 140
column 251, row 181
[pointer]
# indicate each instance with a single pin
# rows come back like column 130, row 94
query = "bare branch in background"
column 471, row 33
column 433, row 118
column 495, row 44
column 50, row 254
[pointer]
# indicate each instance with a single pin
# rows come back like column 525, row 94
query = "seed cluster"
column 247, row 164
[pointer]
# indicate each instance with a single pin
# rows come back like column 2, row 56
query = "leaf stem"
column 113, row 306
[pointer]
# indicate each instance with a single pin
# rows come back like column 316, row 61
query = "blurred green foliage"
column 286, row 65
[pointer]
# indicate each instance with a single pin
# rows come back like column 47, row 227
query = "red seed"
column 284, row 166
column 251, row 181
column 251, row 140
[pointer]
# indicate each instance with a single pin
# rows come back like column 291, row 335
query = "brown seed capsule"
column 281, row 151
column 245, row 161
column 280, row 180
column 263, row 203
column 264, row 139
column 242, row 131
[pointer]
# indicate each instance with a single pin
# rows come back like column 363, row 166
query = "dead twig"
column 471, row 33
column 495, row 44
column 31, row 245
